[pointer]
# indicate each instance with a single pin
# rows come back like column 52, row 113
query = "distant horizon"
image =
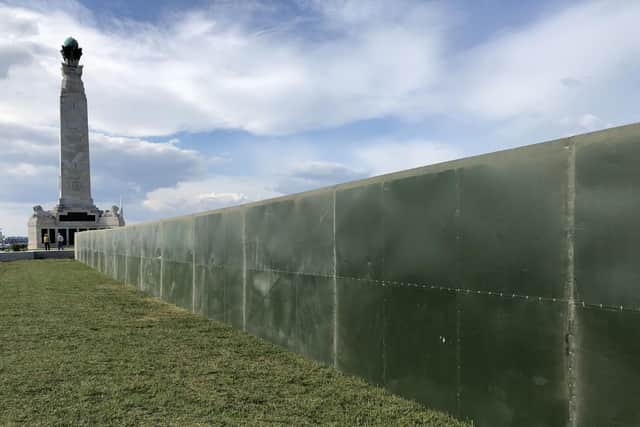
column 196, row 106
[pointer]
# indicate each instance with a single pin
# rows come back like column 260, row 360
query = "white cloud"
column 322, row 170
column 210, row 193
column 392, row 156
column 147, row 164
column 288, row 175
column 589, row 121
column 307, row 175
column 121, row 166
column 14, row 217
column 211, row 68
column 561, row 64
column 200, row 71
column 230, row 198
column 26, row 170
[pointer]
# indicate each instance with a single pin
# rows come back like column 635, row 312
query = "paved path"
column 39, row 254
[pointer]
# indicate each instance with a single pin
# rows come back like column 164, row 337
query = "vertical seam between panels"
column 193, row 265
column 244, row 269
column 571, row 285
column 335, row 288
column 458, row 214
column 161, row 239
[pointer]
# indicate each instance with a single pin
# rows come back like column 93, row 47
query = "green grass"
column 78, row 348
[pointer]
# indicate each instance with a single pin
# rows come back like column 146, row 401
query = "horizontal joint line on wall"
column 393, row 283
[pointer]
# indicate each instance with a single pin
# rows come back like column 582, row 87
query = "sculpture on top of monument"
column 75, row 210
column 71, row 52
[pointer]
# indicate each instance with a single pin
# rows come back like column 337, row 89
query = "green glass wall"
column 502, row 288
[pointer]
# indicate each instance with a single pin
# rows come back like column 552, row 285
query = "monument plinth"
column 75, row 210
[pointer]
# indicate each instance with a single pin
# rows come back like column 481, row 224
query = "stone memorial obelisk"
column 75, row 210
column 75, row 177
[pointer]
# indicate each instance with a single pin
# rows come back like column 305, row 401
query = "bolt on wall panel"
column 607, row 229
column 512, row 361
column 314, row 307
column 295, row 235
column 271, row 307
column 513, row 221
column 420, row 233
column 608, row 368
column 421, row 346
column 360, row 232
column 361, row 328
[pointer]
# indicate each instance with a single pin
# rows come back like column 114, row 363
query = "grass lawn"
column 79, row 348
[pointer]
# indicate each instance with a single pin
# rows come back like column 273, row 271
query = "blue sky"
column 204, row 104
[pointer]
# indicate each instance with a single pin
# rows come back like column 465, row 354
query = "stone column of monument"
column 75, row 177
column 75, row 211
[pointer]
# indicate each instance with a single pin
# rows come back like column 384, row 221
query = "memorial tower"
column 75, row 177
column 75, row 210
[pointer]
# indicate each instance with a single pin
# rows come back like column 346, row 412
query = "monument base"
column 68, row 221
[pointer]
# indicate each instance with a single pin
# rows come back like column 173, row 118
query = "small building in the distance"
column 75, row 210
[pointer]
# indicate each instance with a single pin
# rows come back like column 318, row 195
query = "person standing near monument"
column 45, row 240
column 60, row 240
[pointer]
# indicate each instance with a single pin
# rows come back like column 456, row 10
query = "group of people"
column 59, row 239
